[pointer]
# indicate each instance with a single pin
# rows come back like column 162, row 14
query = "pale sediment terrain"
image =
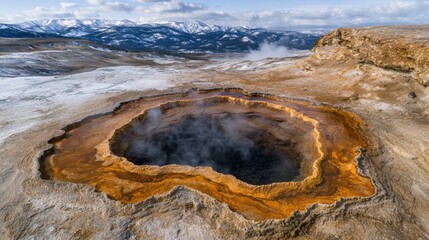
column 383, row 86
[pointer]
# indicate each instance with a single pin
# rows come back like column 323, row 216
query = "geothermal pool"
column 255, row 144
column 264, row 156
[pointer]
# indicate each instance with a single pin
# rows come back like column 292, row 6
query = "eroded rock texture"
column 404, row 48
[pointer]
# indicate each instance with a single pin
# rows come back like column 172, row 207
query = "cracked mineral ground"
column 331, row 143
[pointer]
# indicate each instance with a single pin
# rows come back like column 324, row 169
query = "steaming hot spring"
column 264, row 156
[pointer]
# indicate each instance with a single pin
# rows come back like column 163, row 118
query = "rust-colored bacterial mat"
column 264, row 156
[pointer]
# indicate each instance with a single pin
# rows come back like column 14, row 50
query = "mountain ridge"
column 189, row 37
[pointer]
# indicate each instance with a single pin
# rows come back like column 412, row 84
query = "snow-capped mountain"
column 72, row 27
column 194, row 27
column 165, row 36
column 11, row 31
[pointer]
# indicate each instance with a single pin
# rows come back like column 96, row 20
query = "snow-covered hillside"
column 187, row 37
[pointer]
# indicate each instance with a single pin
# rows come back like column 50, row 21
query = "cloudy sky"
column 274, row 14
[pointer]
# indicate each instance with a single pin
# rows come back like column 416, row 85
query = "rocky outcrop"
column 401, row 48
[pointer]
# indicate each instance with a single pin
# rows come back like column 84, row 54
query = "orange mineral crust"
column 320, row 141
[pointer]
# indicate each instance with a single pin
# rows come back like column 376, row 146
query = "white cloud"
column 51, row 12
column 67, row 5
column 175, row 6
column 394, row 12
column 211, row 17
column 96, row 2
column 391, row 12
column 151, row 1
column 112, row 5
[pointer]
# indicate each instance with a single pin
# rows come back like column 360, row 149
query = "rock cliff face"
column 402, row 48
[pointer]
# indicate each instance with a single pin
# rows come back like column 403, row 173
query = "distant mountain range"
column 186, row 37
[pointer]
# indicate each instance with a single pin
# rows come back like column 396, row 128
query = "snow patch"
column 35, row 97
column 101, row 49
column 246, row 39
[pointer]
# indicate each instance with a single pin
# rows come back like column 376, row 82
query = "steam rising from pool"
column 228, row 143
column 274, row 50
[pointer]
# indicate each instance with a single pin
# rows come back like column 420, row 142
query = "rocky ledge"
column 400, row 48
